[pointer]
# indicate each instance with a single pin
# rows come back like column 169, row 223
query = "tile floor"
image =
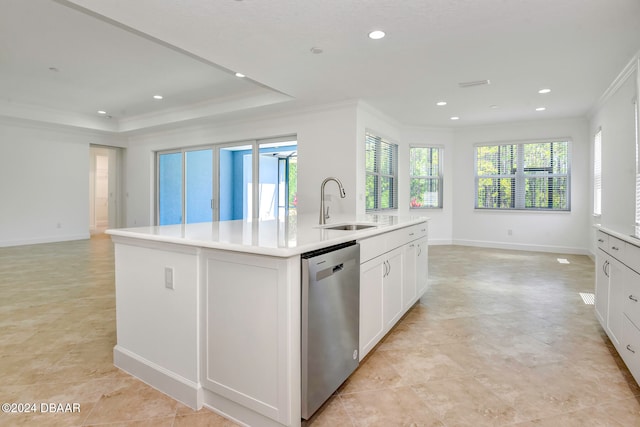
column 502, row 339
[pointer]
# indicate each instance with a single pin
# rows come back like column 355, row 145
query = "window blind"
column 637, row 118
column 381, row 173
column 533, row 176
column 425, row 176
column 597, row 173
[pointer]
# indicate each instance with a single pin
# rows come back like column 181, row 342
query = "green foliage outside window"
column 425, row 177
column 381, row 173
column 523, row 176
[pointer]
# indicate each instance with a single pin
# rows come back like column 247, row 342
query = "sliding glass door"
column 255, row 179
column 170, row 184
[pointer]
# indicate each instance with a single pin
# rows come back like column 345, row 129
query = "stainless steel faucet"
column 324, row 215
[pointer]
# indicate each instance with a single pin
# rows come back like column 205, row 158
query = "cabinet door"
column 249, row 304
column 409, row 284
column 422, row 266
column 630, row 347
column 371, row 325
column 618, row 275
column 392, row 289
column 603, row 262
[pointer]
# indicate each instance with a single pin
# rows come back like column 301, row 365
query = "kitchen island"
column 210, row 313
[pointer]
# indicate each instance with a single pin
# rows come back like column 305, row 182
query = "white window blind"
column 637, row 118
column 597, row 173
column 530, row 176
column 425, row 176
column 381, row 158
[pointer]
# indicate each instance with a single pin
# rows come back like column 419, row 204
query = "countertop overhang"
column 633, row 235
column 286, row 237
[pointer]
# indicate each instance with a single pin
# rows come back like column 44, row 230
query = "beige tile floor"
column 502, row 339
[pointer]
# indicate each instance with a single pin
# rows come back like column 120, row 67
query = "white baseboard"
column 38, row 240
column 522, row 247
column 169, row 383
column 433, row 242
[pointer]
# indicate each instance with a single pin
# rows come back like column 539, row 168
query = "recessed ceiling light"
column 102, row 112
column 493, row 106
column 541, row 108
column 441, row 103
column 158, row 97
column 455, row 118
column 376, row 35
column 544, row 91
column 240, row 75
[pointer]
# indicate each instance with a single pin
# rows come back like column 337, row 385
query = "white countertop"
column 286, row 237
column 633, row 235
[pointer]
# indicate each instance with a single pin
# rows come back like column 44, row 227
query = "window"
column 532, row 176
column 381, row 159
column 425, row 175
column 597, row 173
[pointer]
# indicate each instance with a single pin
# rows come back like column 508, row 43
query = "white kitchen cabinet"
column 410, row 282
column 393, row 275
column 241, row 363
column 371, row 296
column 380, row 298
column 422, row 266
column 618, row 275
column 603, row 262
column 392, row 282
column 617, row 295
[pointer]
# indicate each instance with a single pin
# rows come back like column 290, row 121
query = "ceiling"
column 114, row 55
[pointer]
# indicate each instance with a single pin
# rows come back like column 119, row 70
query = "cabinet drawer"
column 632, row 257
column 603, row 240
column 630, row 348
column 408, row 234
column 616, row 248
column 373, row 246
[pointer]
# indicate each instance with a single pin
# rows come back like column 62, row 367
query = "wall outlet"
column 509, row 232
column 168, row 277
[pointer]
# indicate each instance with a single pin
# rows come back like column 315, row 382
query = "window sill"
column 521, row 211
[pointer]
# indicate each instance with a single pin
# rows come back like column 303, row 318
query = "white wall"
column 616, row 119
column 566, row 232
column 44, row 182
column 326, row 147
column 441, row 223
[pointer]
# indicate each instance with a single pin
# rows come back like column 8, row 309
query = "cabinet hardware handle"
column 615, row 248
column 632, row 298
column 411, row 234
column 389, row 264
column 601, row 240
column 630, row 349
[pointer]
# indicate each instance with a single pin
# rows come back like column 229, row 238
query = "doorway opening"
column 104, row 164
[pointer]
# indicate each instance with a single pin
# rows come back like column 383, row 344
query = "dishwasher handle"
column 330, row 271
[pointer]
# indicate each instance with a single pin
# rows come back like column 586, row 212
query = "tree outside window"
column 425, row 170
column 381, row 173
column 533, row 176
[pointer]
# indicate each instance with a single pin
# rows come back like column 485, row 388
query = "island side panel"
column 251, row 336
column 156, row 326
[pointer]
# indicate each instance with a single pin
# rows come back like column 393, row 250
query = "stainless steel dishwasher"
column 330, row 321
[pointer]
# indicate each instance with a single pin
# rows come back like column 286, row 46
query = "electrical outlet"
column 168, row 277
column 509, row 232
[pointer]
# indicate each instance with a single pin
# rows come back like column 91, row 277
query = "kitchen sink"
column 350, row 227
